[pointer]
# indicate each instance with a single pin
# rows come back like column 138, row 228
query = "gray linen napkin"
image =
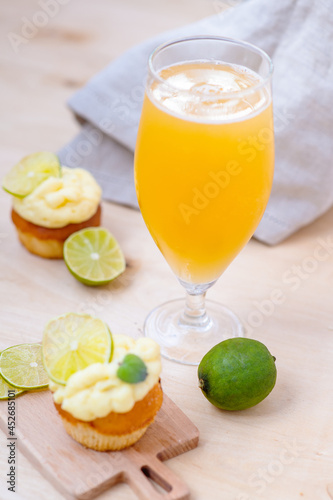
column 298, row 35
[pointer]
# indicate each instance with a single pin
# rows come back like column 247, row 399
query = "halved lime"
column 93, row 256
column 22, row 366
column 31, row 171
column 4, row 388
column 72, row 342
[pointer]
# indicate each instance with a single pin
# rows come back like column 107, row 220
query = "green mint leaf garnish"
column 132, row 369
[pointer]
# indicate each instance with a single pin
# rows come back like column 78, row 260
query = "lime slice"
column 72, row 342
column 30, row 172
column 22, row 366
column 93, row 256
column 4, row 388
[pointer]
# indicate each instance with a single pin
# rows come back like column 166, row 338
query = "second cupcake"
column 66, row 201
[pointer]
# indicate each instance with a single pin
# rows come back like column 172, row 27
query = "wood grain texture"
column 82, row 474
column 281, row 449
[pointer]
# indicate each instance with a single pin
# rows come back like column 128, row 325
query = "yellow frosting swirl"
column 58, row 201
column 96, row 391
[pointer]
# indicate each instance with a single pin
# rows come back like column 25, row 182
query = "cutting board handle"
column 144, row 472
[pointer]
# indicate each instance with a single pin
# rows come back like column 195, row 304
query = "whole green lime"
column 237, row 373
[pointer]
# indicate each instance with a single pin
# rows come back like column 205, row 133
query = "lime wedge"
column 93, row 256
column 72, row 342
column 22, row 366
column 4, row 388
column 31, row 171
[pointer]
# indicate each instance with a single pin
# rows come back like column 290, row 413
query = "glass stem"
column 195, row 315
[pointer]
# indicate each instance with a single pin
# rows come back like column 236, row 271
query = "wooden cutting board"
column 79, row 473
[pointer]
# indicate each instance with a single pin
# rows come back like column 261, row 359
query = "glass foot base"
column 188, row 344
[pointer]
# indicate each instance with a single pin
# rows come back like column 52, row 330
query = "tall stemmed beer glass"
column 204, row 165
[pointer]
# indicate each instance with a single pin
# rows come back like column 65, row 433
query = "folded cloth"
column 298, row 35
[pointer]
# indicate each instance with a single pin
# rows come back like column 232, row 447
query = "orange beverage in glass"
column 204, row 170
column 204, row 166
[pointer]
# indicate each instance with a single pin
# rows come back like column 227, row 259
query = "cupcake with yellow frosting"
column 51, row 202
column 110, row 406
column 58, row 207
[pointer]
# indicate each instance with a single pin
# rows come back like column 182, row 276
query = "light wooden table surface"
column 283, row 448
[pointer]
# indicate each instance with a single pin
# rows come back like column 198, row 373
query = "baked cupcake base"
column 49, row 249
column 90, row 438
column 48, row 242
column 117, row 430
